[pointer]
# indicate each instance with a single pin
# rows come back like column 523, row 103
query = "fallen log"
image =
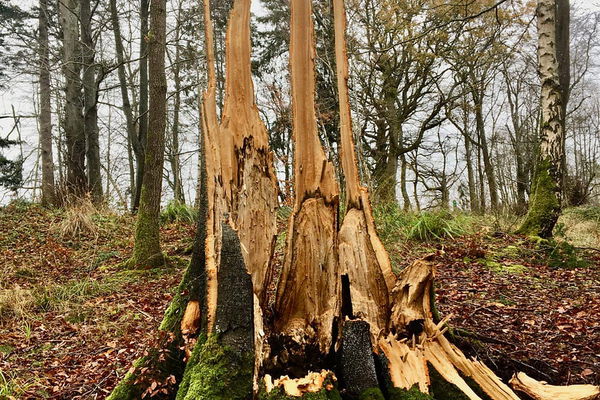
column 542, row 391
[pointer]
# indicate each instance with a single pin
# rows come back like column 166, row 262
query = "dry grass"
column 581, row 232
column 15, row 303
column 77, row 220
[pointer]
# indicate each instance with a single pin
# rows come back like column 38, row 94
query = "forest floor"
column 72, row 321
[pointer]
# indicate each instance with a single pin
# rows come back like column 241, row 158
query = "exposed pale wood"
column 407, row 366
column 438, row 358
column 542, row 391
column 311, row 383
column 210, row 128
column 348, row 158
column 247, row 162
column 481, row 374
column 411, row 296
column 308, row 293
column 362, row 256
column 314, row 174
column 411, row 315
column 190, row 322
column 368, row 290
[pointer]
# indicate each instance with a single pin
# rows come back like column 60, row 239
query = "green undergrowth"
column 393, row 224
column 176, row 211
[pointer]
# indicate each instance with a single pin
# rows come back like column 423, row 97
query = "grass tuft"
column 77, row 220
column 177, row 211
column 393, row 223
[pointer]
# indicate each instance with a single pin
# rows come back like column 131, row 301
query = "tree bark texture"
column 73, row 119
column 147, row 250
column 139, row 146
column 48, row 188
column 545, row 202
column 90, row 103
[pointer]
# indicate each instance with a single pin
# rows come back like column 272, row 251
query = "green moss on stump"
column 371, row 394
column 544, row 207
column 413, row 394
column 217, row 373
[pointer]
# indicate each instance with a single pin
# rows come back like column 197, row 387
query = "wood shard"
column 411, row 297
column 542, row 391
column 407, row 366
column 190, row 323
column 311, row 383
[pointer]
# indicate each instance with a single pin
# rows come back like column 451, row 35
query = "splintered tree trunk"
column 545, row 202
column 306, row 303
column 341, row 324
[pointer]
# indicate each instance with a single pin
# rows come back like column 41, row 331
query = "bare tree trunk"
column 90, row 103
column 139, row 146
column 174, row 142
column 132, row 139
column 563, row 55
column 485, row 152
column 147, row 251
column 73, row 126
column 545, row 204
column 48, row 189
column 405, row 197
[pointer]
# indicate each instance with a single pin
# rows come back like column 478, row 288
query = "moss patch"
column 372, row 394
column 413, row 394
column 219, row 374
column 544, row 208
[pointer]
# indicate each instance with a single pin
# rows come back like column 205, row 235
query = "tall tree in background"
column 90, row 82
column 139, row 143
column 563, row 55
column 545, row 204
column 45, row 117
column 147, row 251
column 73, row 118
column 132, row 134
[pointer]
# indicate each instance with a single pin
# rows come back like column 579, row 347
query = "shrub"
column 176, row 211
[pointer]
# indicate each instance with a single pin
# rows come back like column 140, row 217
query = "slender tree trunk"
column 545, row 204
column 147, row 251
column 485, row 152
column 174, row 148
column 563, row 55
column 139, row 147
column 132, row 139
column 48, row 189
column 90, row 103
column 74, row 127
column 405, row 197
